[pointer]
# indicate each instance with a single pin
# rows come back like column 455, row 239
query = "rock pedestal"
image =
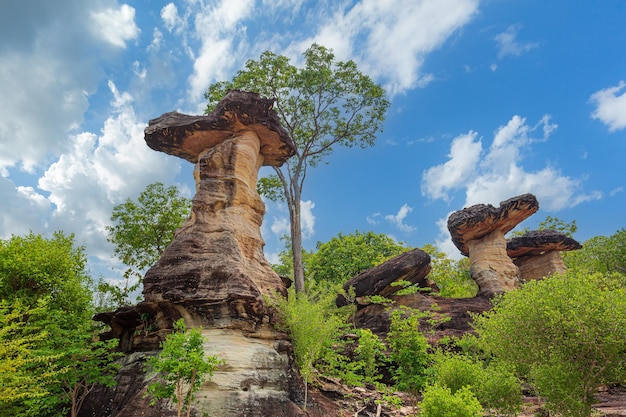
column 478, row 232
column 214, row 273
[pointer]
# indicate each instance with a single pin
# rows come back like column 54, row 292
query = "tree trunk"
column 296, row 243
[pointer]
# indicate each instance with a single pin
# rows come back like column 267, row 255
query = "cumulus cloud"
column 115, row 26
column 397, row 36
column 611, row 106
column 498, row 174
column 216, row 27
column 101, row 170
column 464, row 155
column 508, row 45
column 398, row 219
column 307, row 219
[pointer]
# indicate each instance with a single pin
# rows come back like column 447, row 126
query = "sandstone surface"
column 214, row 274
column 537, row 253
column 412, row 266
column 478, row 232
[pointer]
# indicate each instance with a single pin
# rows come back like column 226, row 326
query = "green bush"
column 495, row 386
column 439, row 401
column 567, row 334
column 409, row 350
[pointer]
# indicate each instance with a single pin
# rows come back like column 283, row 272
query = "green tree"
column 32, row 267
column 46, row 312
column 345, row 256
column 603, row 254
column 325, row 104
column 141, row 231
column 451, row 276
column 19, row 356
column 182, row 366
column 567, row 334
column 552, row 223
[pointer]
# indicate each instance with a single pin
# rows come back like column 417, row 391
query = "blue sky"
column 489, row 99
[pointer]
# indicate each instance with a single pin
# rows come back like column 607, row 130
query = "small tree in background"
column 451, row 276
column 182, row 366
column 141, row 231
column 346, row 256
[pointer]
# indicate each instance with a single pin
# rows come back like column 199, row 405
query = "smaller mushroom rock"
column 412, row 266
column 537, row 254
column 478, row 232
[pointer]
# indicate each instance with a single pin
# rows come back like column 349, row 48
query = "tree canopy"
column 323, row 104
column 142, row 230
column 346, row 256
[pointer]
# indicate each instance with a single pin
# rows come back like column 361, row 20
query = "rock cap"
column 187, row 136
column 538, row 242
column 479, row 220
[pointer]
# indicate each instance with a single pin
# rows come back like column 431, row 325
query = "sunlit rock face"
column 214, row 274
column 537, row 253
column 478, row 232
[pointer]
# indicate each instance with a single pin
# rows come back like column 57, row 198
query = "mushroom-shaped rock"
column 412, row 266
column 537, row 254
column 478, row 232
column 217, row 255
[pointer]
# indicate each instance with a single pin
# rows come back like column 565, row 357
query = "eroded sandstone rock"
column 214, row 274
column 537, row 254
column 478, row 232
column 411, row 266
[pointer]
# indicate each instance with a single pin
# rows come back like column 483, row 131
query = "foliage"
column 552, row 223
column 370, row 353
column 600, row 254
column 182, row 366
column 451, row 276
column 19, row 356
column 32, row 267
column 344, row 257
column 567, row 334
column 322, row 105
column 285, row 265
column 142, row 230
column 50, row 349
column 440, row 401
column 313, row 327
column 409, row 350
column 495, row 385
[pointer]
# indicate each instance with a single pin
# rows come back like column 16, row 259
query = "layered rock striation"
column 214, row 273
column 537, row 253
column 478, row 232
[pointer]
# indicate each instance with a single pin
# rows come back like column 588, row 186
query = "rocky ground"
column 364, row 402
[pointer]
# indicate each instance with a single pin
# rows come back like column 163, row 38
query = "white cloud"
column 280, row 226
column 23, row 209
column 116, row 26
column 171, row 19
column 99, row 171
column 611, row 106
column 397, row 35
column 464, row 155
column 398, row 219
column 507, row 43
column 307, row 219
column 216, row 27
column 499, row 174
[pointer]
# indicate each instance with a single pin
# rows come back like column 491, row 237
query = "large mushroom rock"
column 216, row 260
column 537, row 254
column 478, row 232
column 412, row 266
column 214, row 274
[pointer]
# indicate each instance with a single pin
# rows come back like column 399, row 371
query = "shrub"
column 439, row 401
column 567, row 334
